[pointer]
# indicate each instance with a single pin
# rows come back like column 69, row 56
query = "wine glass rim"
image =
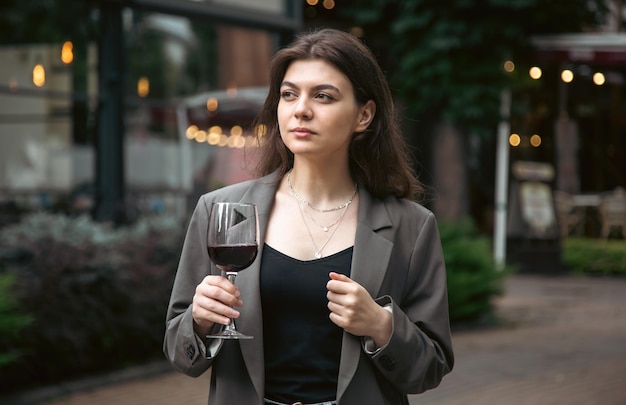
column 233, row 203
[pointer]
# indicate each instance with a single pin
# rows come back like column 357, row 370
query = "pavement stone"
column 562, row 340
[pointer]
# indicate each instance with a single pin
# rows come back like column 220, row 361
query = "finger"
column 338, row 276
column 338, row 283
column 218, row 293
column 206, row 310
column 223, row 283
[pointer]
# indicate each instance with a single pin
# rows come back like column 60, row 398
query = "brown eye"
column 287, row 95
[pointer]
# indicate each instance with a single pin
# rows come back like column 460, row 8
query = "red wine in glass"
column 232, row 244
column 232, row 258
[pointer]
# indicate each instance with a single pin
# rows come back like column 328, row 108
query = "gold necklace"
column 318, row 251
column 304, row 200
column 324, row 228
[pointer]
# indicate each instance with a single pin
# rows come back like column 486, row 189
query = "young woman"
column 347, row 299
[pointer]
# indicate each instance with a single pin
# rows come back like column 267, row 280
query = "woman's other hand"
column 353, row 309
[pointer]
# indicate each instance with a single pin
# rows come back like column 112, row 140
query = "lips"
column 301, row 132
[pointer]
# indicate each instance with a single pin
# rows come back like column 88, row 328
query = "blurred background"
column 115, row 116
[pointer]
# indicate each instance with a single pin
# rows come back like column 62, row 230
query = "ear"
column 366, row 115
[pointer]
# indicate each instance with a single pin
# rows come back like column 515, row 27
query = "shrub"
column 473, row 277
column 11, row 321
column 98, row 295
column 595, row 256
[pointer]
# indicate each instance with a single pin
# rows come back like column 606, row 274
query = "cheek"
column 280, row 117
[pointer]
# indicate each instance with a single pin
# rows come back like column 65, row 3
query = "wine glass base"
column 229, row 334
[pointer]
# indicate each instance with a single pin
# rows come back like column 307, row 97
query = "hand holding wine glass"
column 232, row 244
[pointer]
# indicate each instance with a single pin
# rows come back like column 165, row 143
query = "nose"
column 302, row 108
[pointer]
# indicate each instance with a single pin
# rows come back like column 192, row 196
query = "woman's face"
column 317, row 111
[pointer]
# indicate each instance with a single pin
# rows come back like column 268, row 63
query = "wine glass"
column 232, row 243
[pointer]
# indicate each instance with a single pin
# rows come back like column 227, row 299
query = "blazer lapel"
column 371, row 255
column 250, row 322
column 370, row 258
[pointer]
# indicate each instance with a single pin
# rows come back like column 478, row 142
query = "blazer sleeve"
column 419, row 352
column 180, row 344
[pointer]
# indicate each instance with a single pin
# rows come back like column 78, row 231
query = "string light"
column 567, row 76
column 212, row 104
column 535, row 72
column 535, row 140
column 39, row 75
column 143, row 87
column 67, row 52
column 599, row 79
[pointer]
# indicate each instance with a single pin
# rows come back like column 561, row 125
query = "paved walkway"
column 563, row 342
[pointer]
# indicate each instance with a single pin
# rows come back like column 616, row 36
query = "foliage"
column 595, row 256
column 46, row 21
column 473, row 277
column 445, row 59
column 11, row 321
column 97, row 295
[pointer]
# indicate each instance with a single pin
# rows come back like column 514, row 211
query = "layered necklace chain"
column 304, row 200
column 301, row 200
column 318, row 250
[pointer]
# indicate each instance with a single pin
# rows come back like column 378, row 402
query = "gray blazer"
column 397, row 257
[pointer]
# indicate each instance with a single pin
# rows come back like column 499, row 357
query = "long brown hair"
column 379, row 159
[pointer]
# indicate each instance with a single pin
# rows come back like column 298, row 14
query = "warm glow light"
column 599, row 79
column 201, row 136
column 212, row 104
column 232, row 90
column 67, row 52
column 535, row 72
column 223, row 140
column 216, row 129
column 143, row 87
column 509, row 66
column 535, row 140
column 514, row 140
column 213, row 138
column 567, row 76
column 234, row 141
column 236, row 130
column 328, row 4
column 191, row 132
column 312, row 2
column 39, row 75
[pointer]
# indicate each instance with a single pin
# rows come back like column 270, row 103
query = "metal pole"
column 186, row 159
column 110, row 190
column 502, row 178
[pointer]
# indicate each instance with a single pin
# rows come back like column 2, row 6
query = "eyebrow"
column 315, row 88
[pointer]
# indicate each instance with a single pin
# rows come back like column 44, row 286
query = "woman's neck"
column 322, row 187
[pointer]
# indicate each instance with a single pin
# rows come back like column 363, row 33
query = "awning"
column 598, row 48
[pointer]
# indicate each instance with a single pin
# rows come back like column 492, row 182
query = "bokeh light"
column 535, row 72
column 514, row 140
column 567, row 76
column 535, row 140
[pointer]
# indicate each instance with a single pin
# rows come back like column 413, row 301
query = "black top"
column 302, row 346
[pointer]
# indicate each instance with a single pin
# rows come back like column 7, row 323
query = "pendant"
column 318, row 255
column 325, row 229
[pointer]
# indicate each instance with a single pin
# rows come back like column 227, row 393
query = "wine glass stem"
column 231, row 277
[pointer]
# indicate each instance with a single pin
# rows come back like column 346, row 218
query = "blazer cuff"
column 208, row 348
column 368, row 343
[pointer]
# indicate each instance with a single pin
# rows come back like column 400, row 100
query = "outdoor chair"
column 569, row 216
column 613, row 213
